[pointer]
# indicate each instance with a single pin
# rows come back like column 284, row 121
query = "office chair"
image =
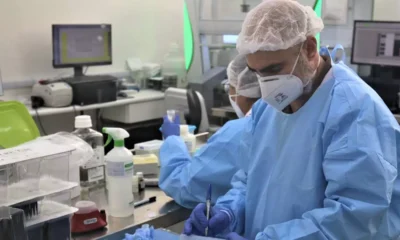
column 193, row 116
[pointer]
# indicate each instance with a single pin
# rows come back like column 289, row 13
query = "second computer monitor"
column 80, row 46
column 376, row 43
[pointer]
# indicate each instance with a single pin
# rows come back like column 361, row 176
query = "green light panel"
column 318, row 10
column 188, row 38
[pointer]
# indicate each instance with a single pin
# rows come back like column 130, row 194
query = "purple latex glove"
column 234, row 236
column 170, row 129
column 197, row 222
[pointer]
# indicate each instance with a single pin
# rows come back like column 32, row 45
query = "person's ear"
column 311, row 47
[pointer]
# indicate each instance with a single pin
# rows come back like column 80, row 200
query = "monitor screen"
column 376, row 43
column 81, row 45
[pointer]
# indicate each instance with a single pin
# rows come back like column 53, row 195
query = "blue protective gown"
column 186, row 179
column 327, row 171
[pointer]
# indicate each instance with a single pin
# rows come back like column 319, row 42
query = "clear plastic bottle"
column 188, row 138
column 119, row 174
column 92, row 173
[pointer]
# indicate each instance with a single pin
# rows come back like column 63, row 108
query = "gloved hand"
column 170, row 129
column 234, row 236
column 197, row 222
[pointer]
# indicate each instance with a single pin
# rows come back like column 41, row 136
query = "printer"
column 54, row 94
column 92, row 89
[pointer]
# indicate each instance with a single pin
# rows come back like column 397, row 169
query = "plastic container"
column 92, row 172
column 146, row 163
column 150, row 147
column 119, row 166
column 188, row 138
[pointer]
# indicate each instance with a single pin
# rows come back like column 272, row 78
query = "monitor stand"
column 78, row 71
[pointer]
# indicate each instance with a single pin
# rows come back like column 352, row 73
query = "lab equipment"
column 276, row 15
column 169, row 80
column 146, row 163
column 92, row 89
column 190, row 105
column 16, row 123
column 141, row 183
column 208, row 205
column 56, row 94
column 34, row 177
column 119, row 168
column 155, row 83
column 92, row 172
column 198, row 222
column 12, row 224
column 69, row 40
column 216, row 161
column 87, row 218
column 188, row 138
column 322, row 176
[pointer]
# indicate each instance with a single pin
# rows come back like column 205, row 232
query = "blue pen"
column 208, row 205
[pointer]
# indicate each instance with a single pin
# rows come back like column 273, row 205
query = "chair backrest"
column 16, row 124
column 193, row 117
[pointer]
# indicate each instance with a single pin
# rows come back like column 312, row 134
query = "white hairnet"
column 276, row 25
column 242, row 79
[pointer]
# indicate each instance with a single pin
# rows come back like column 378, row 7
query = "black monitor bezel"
column 53, row 32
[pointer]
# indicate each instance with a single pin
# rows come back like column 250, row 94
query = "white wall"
column 387, row 10
column 140, row 28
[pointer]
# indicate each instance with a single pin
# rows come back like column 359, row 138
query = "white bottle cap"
column 83, row 121
column 184, row 130
column 139, row 174
column 85, row 207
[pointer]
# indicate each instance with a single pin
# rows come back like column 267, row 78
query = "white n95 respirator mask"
column 280, row 90
column 235, row 106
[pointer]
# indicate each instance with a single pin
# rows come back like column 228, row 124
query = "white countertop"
column 142, row 96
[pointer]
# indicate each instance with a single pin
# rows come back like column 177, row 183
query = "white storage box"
column 150, row 147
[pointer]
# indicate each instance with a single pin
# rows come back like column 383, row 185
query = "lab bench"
column 161, row 214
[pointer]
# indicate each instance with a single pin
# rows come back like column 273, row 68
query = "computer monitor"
column 376, row 43
column 79, row 46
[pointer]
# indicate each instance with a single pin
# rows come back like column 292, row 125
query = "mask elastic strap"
column 297, row 59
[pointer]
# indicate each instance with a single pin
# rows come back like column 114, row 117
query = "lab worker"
column 322, row 155
column 186, row 178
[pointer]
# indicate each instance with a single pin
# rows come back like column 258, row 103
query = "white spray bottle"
column 119, row 170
